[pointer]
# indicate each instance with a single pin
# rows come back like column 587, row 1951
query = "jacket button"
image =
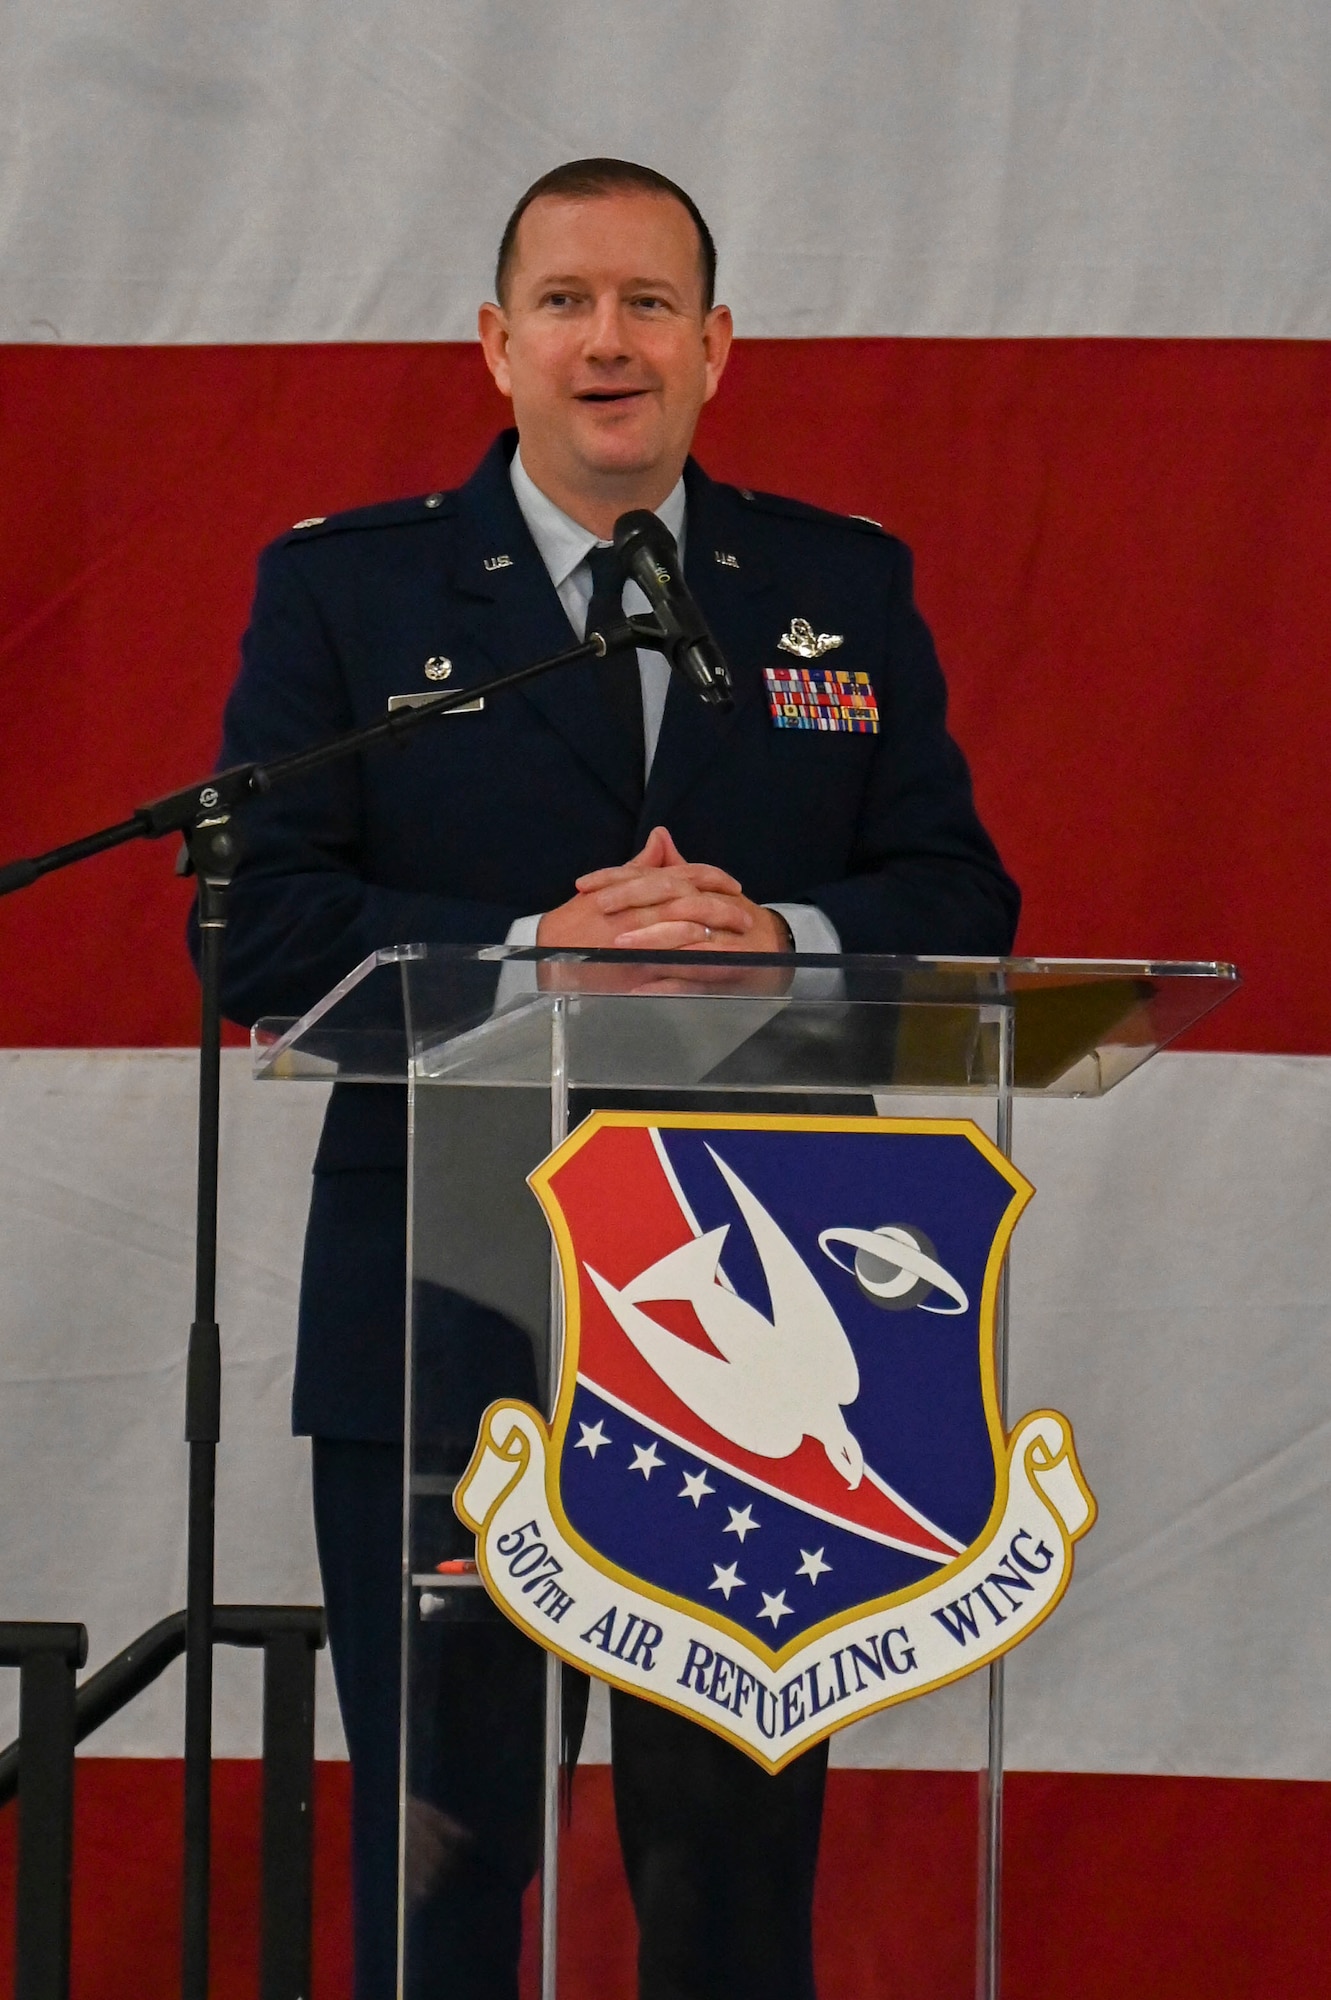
column 435, row 500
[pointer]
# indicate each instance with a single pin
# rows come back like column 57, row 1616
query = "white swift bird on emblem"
column 781, row 1380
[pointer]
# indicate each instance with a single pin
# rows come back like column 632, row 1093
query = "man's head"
column 586, row 180
column 605, row 336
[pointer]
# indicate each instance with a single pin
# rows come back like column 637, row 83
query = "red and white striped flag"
column 1046, row 290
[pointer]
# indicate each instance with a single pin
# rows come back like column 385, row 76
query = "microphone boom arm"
column 210, row 801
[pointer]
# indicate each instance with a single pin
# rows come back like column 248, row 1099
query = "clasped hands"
column 658, row 901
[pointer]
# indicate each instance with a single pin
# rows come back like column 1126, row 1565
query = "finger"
column 722, row 941
column 599, row 878
column 636, row 892
column 670, row 854
column 695, row 922
column 665, row 936
column 652, row 853
column 709, row 913
column 659, row 851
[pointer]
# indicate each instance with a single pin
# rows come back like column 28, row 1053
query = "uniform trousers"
column 720, row 1857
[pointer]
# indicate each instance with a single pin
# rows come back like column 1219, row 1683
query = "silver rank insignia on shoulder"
column 310, row 521
column 726, row 561
column 805, row 643
column 498, row 562
column 437, row 668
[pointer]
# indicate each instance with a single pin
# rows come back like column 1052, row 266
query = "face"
column 604, row 347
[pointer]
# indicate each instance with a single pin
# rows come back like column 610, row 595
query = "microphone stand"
column 202, row 812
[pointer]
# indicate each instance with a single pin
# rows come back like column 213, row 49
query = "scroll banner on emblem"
column 776, row 1494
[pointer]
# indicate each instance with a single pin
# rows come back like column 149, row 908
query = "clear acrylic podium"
column 503, row 1053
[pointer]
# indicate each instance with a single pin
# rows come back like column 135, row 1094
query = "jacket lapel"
column 691, row 733
column 518, row 619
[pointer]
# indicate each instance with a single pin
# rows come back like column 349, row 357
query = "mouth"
column 610, row 395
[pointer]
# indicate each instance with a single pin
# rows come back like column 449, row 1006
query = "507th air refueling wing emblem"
column 776, row 1493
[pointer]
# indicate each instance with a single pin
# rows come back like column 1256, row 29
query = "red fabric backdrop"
column 1163, row 1888
column 1120, row 544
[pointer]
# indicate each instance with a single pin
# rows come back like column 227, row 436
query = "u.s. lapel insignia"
column 805, row 643
column 498, row 562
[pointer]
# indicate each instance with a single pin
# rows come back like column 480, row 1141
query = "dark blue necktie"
column 617, row 674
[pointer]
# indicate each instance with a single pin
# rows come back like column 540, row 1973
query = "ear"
column 718, row 330
column 492, row 326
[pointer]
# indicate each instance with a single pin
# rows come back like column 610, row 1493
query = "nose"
column 607, row 331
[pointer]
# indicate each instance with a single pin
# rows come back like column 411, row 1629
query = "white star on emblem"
column 695, row 1488
column 726, row 1580
column 645, row 1460
column 775, row 1608
column 813, row 1565
column 741, row 1522
column 593, row 1437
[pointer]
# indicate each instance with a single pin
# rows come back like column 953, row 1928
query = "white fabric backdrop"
column 279, row 170
column 1171, row 1293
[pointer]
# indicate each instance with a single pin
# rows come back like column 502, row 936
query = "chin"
column 622, row 465
column 625, row 455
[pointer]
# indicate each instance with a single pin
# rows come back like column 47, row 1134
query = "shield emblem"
column 776, row 1492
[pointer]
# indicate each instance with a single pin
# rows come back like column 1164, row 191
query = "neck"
column 597, row 501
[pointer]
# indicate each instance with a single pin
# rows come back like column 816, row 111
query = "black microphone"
column 647, row 550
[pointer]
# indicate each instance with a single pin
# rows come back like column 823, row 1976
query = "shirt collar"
column 562, row 542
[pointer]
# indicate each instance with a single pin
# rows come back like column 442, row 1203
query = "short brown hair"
column 580, row 180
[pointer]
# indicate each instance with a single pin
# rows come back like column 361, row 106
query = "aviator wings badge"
column 777, row 1492
column 805, row 643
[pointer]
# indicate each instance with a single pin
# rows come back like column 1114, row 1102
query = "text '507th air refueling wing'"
column 776, row 1493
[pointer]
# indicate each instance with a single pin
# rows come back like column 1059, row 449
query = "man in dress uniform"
column 593, row 808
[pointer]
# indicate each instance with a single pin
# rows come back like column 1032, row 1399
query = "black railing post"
column 288, row 1814
column 46, row 1657
column 40, row 1768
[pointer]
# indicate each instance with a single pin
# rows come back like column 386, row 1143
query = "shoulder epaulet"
column 388, row 514
column 800, row 510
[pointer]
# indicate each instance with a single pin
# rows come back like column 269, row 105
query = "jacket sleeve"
column 924, row 875
column 304, row 909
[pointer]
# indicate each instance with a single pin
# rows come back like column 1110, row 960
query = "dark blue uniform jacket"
column 486, row 817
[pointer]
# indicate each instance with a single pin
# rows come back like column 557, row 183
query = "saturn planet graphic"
column 896, row 1267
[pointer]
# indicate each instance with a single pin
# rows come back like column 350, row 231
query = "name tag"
column 432, row 694
column 827, row 698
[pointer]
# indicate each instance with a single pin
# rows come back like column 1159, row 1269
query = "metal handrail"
column 139, row 1664
column 54, row 1715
